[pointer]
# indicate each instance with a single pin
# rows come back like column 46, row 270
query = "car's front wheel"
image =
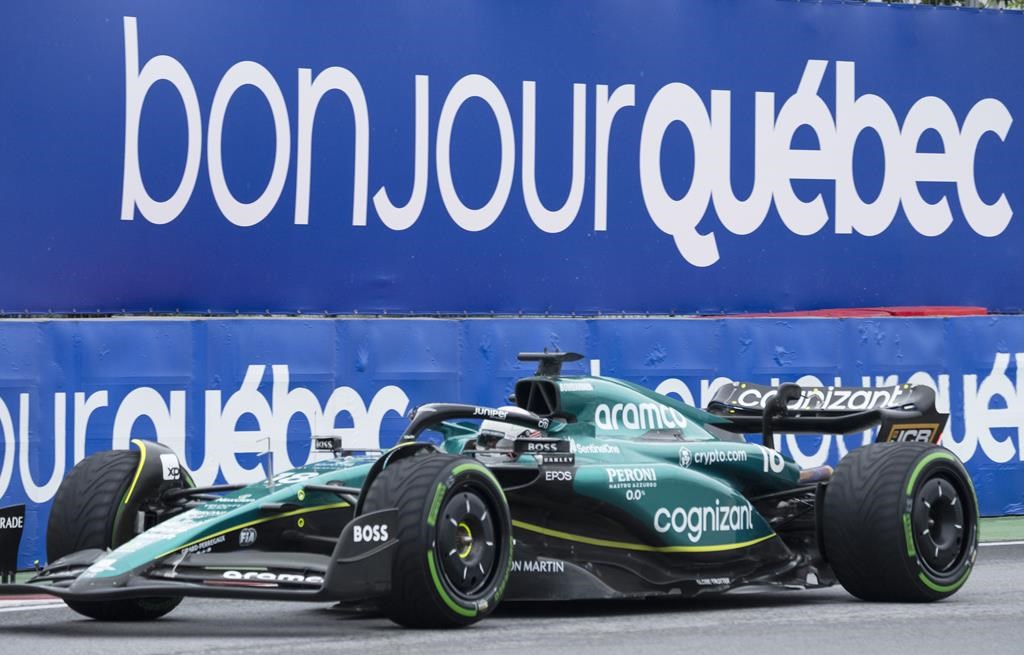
column 91, row 510
column 455, row 540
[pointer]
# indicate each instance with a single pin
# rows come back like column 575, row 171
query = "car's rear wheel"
column 454, row 553
column 901, row 522
column 88, row 512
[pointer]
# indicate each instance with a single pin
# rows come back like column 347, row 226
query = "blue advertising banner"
column 540, row 156
column 219, row 391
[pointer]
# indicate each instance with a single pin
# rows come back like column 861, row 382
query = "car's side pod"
column 904, row 412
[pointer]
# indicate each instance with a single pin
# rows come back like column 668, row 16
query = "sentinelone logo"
column 777, row 163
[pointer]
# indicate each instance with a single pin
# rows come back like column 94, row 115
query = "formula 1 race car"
column 589, row 487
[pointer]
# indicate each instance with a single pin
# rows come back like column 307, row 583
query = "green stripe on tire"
column 909, row 535
column 939, row 454
column 473, row 466
column 435, row 505
column 942, row 589
column 452, row 605
column 928, row 582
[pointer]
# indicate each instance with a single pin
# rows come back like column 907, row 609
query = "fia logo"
column 247, row 537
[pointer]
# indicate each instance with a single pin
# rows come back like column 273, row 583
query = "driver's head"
column 498, row 434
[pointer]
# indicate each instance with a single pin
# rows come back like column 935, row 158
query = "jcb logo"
column 922, row 433
column 369, row 533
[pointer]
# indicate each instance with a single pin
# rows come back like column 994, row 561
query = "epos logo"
column 558, row 475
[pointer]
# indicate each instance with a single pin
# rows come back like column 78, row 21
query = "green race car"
column 587, row 488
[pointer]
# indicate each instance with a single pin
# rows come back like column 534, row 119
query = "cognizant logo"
column 695, row 521
column 777, row 164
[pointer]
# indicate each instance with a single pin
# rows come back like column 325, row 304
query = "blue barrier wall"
column 666, row 156
column 216, row 389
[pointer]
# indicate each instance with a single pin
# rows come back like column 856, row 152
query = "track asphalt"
column 986, row 616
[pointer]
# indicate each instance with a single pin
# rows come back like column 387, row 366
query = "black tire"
column 448, row 508
column 901, row 522
column 85, row 514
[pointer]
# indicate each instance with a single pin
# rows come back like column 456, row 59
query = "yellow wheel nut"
column 302, row 523
column 302, row 494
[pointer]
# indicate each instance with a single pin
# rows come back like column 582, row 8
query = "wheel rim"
column 466, row 542
column 940, row 524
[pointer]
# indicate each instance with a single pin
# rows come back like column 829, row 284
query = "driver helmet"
column 502, row 436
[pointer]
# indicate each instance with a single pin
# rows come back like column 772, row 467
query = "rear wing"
column 904, row 412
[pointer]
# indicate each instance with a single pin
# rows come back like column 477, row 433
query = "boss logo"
column 557, row 476
column 542, row 446
column 370, row 533
column 326, row 444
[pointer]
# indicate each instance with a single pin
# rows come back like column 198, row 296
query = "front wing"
column 358, row 569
